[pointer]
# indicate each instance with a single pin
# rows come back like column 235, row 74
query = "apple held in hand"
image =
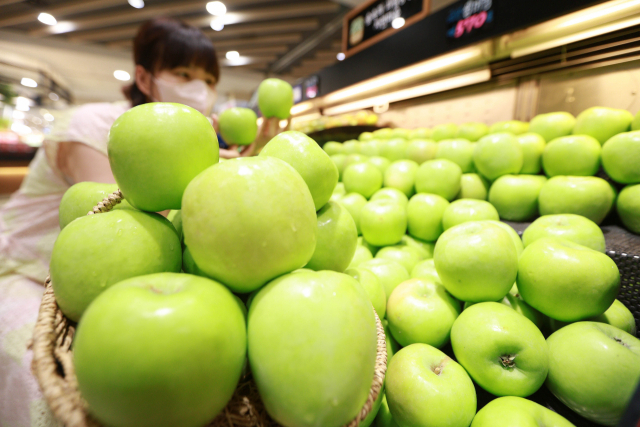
column 82, row 197
column 441, row 177
column 577, row 155
column 602, row 123
column 424, row 214
column 515, row 197
column 238, row 126
column 588, row 196
column 382, row 163
column 621, row 158
column 473, row 186
column 472, row 131
column 466, row 210
column 532, row 146
column 156, row 149
column 510, row 411
column 421, row 150
column 394, row 149
column 444, row 131
column 354, row 202
column 401, row 175
column 373, row 287
column 628, row 206
column 498, row 154
column 552, row 125
column 333, row 147
column 362, row 178
column 275, row 98
column 406, row 256
column 161, row 349
column 383, row 222
column 459, row 151
column 337, row 237
column 515, row 127
column 575, row 228
column 389, row 273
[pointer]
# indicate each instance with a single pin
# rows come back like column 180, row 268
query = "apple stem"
column 619, row 341
column 508, row 361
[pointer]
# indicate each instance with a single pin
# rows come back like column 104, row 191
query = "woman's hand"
column 268, row 129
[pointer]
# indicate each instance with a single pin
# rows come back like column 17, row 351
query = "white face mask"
column 195, row 93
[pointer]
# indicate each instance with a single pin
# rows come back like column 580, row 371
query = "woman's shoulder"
column 99, row 113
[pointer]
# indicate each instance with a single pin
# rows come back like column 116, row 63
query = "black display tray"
column 340, row 134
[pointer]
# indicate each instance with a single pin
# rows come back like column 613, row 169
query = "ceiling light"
column 28, row 82
column 22, row 107
column 23, row 104
column 45, row 18
column 53, row 96
column 398, row 22
column 216, row 8
column 283, row 123
column 49, row 117
column 63, row 27
column 20, row 129
column 217, row 24
column 340, row 56
column 18, row 115
column 232, row 54
column 121, row 75
column 301, row 108
column 138, row 4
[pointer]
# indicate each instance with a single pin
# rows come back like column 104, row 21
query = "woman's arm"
column 79, row 162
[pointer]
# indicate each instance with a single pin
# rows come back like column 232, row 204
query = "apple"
column 459, row 151
column 515, row 238
column 628, row 206
column 577, row 155
column 353, row 203
column 514, row 300
column 420, row 133
column 338, row 192
column 333, row 147
column 339, row 160
column 275, row 98
column 361, row 255
column 406, row 256
column 384, row 417
column 82, row 197
column 384, row 133
column 552, row 125
column 337, row 238
column 354, row 158
column 602, row 123
column 575, row 228
column 131, row 243
column 567, row 281
column 441, row 177
column 382, row 163
column 139, row 348
column 425, row 249
column 473, row 186
column 156, row 149
column 472, row 131
column 424, row 215
column 424, row 387
column 476, row 261
column 466, row 210
column 400, row 133
column 588, row 196
column 509, row 411
column 617, row 315
column 370, row 148
column 238, row 126
column 594, row 369
column 189, row 265
column 389, row 273
column 515, row 197
column 389, row 193
column 351, row 146
column 425, row 269
column 391, row 344
column 421, row 150
column 444, row 131
column 401, row 175
column 326, row 381
column 269, row 221
column 373, row 413
column 621, row 157
column 503, row 351
column 362, row 178
column 176, row 220
column 373, row 249
column 635, row 124
column 421, row 311
column 383, row 222
column 515, row 127
column 532, row 146
column 394, row 149
column 373, row 287
column 366, row 136
column 498, row 154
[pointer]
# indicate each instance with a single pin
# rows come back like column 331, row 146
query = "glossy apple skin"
column 552, row 125
column 269, row 221
column 394, row 149
column 361, row 255
column 425, row 249
column 588, row 196
column 621, row 157
column 338, row 192
column 132, row 243
column 635, row 124
column 567, row 281
column 425, row 269
column 366, row 136
column 424, row 214
column 575, row 228
column 308, row 159
column 406, row 256
column 371, row 248
column 532, row 146
column 384, row 133
column 628, row 207
column 339, row 161
column 473, row 186
column 421, row 150
column 383, row 222
column 421, row 311
column 389, row 193
column 156, row 149
column 275, row 98
column 384, row 417
column 82, row 197
column 310, row 370
column 514, row 300
column 351, row 147
column 472, row 131
column 515, row 238
column 382, row 163
column 617, row 315
column 576, row 155
column 424, row 387
column 420, row 133
column 140, row 349
column 373, row 287
column 441, row 177
column 602, row 123
column 466, row 210
column 401, row 175
column 370, row 148
column 512, row 411
column 459, row 151
column 238, row 126
column 515, row 127
column 391, row 344
column 389, row 273
column 337, row 238
column 498, row 154
column 504, row 352
column 476, row 261
column 444, row 131
column 515, row 197
column 333, row 147
column 353, row 203
column 362, row 178
column 610, row 356
column 370, row 419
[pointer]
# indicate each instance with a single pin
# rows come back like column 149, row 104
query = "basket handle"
column 108, row 203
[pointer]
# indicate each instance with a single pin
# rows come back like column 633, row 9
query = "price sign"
column 469, row 17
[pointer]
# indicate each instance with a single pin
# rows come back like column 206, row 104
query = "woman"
column 174, row 63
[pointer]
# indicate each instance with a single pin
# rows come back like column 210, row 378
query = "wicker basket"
column 53, row 367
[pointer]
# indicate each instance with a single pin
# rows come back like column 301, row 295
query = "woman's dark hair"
column 165, row 43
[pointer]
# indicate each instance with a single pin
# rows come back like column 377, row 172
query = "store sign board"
column 469, row 17
column 372, row 22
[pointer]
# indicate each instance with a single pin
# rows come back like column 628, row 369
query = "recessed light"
column 232, row 54
column 121, row 75
column 138, row 4
column 216, row 8
column 398, row 22
column 46, row 18
column 340, row 56
column 48, row 117
column 53, row 96
column 28, row 82
column 217, row 24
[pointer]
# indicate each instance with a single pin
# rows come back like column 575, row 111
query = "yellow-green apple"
column 512, row 233
column 384, row 417
column 389, row 193
column 421, row 150
column 391, row 344
column 361, row 255
column 532, row 146
column 238, row 125
column 594, row 369
column 354, row 202
column 394, row 149
column 467, row 210
column 382, row 163
column 175, row 217
column 552, row 125
column 373, row 287
column 472, row 131
column 421, row 311
column 326, row 381
column 400, row 133
column 160, row 349
column 389, row 273
column 338, row 192
column 365, row 136
column 424, row 215
column 373, row 413
column 498, row 154
column 425, row 248
column 373, row 249
column 577, row 155
column 82, row 197
column 513, row 411
column 189, row 265
column 635, row 124
column 575, row 228
column 444, row 131
column 406, row 256
column 420, row 133
column 441, row 177
column 602, row 123
column 515, row 197
column 514, row 300
column 351, row 146
column 384, row 133
column 370, row 148
column 362, row 178
column 340, row 161
column 515, row 127
column 504, row 352
column 628, row 206
column 354, row 158
column 476, row 261
column 333, row 147
column 459, row 151
column 132, row 243
column 401, row 175
column 337, row 238
column 424, row 387
column 275, row 98
column 588, row 196
column 617, row 315
column 156, row 149
column 275, row 239
column 383, row 222
column 473, row 186
column 567, row 281
column 425, row 269
column 621, row 157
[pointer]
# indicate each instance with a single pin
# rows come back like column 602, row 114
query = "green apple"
column 441, row 177
column 473, row 186
column 513, row 411
column 373, row 413
column 621, row 157
column 389, row 273
column 82, row 197
column 337, row 238
column 617, row 315
column 444, row 131
column 384, row 133
column 532, row 146
column 515, row 238
column 383, row 222
column 382, row 163
column 498, row 154
column 459, row 151
column 332, row 148
column 95, row 252
column 420, row 133
column 602, row 123
column 308, row 159
column 504, row 352
column 515, row 127
column 466, row 210
column 394, row 149
column 421, row 150
column 139, row 350
column 373, row 249
column 361, row 255
column 384, row 417
column 594, row 369
column 353, row 159
column 392, row 346
column 370, row 148
column 472, row 131
column 325, row 381
column 567, row 281
column 514, row 300
column 552, row 125
column 635, row 124
column 269, row 221
column 338, row 192
column 400, row 133
column 424, row 387
column 575, row 228
column 628, row 206
column 189, row 265
column 425, row 269
column 175, row 217
column 353, row 203
column 424, row 248
column 351, row 146
column 373, row 287
column 389, row 193
column 421, row 311
column 401, row 175
column 476, row 261
column 275, row 98
column 362, row 178
column 156, row 149
column 588, row 196
column 238, row 126
column 577, row 155
column 406, row 256
column 340, row 161
column 515, row 197
column 424, row 215
column 366, row 136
